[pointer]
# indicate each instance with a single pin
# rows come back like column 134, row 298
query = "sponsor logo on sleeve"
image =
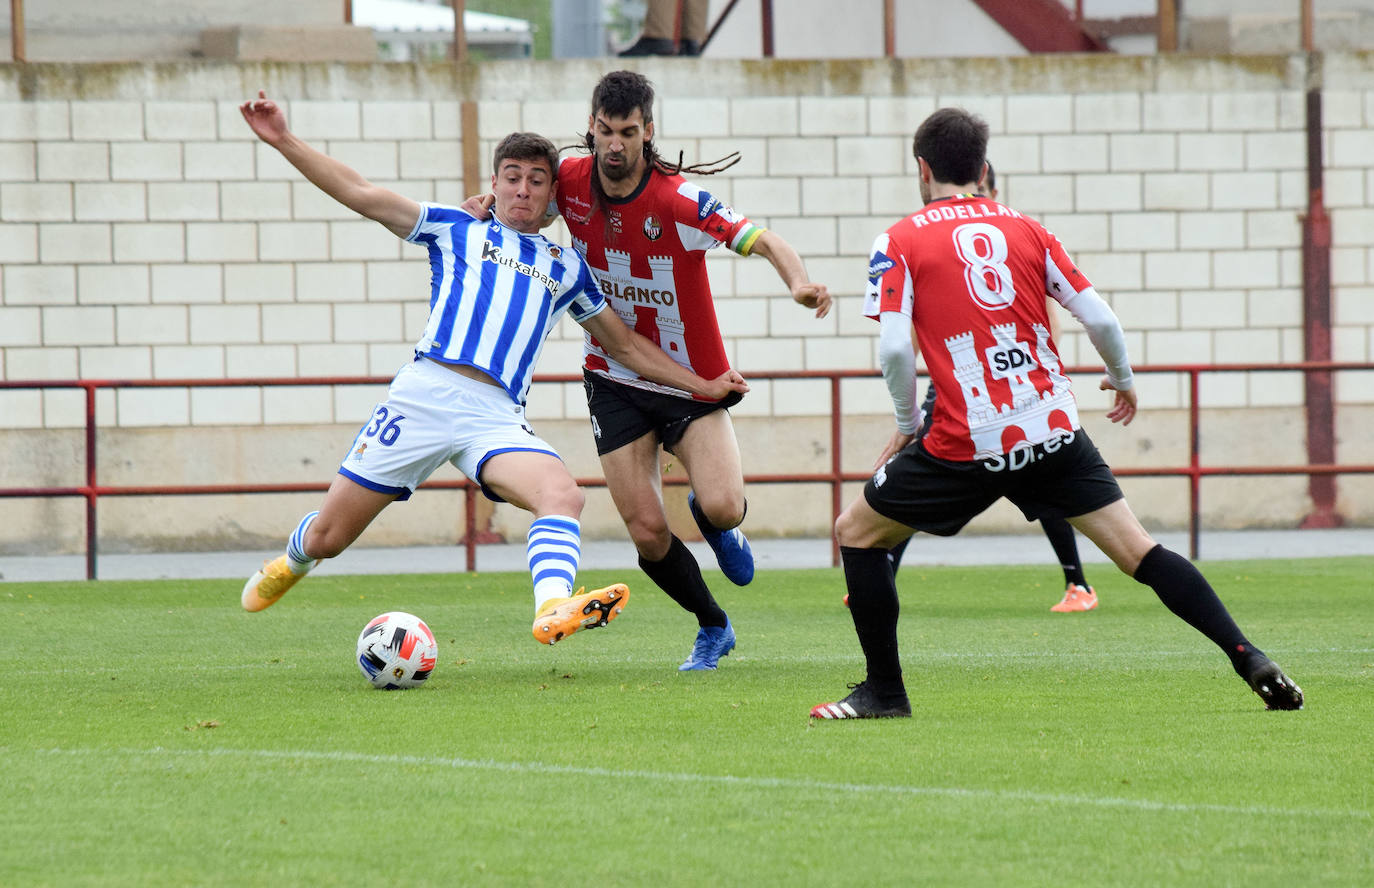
column 878, row 265
column 706, row 205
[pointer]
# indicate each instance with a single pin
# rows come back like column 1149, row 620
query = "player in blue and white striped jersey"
column 496, row 293
column 497, row 289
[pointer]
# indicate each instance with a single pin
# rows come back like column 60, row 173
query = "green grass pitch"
column 152, row 733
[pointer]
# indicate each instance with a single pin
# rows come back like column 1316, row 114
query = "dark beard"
column 614, row 174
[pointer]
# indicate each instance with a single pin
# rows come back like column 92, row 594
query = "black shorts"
column 622, row 413
column 1061, row 478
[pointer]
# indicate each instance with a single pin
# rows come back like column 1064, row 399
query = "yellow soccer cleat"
column 561, row 617
column 267, row 585
column 1076, row 598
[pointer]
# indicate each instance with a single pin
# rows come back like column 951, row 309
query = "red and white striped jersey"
column 972, row 275
column 648, row 251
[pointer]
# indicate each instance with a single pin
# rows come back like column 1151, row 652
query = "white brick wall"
column 156, row 237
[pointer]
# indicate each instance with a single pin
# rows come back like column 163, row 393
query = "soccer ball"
column 397, row 650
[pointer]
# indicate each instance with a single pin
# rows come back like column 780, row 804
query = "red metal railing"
column 836, row 477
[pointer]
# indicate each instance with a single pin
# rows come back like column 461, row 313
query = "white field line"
column 784, row 783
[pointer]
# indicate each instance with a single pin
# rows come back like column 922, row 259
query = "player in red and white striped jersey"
column 645, row 231
column 968, row 276
column 1078, row 595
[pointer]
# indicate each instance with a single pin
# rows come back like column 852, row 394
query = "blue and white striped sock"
column 554, row 552
column 296, row 559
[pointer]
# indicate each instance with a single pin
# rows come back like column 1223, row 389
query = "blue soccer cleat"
column 732, row 550
column 713, row 642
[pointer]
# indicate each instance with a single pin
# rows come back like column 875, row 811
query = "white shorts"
column 431, row 416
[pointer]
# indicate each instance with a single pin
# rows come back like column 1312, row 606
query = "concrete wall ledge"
column 521, row 80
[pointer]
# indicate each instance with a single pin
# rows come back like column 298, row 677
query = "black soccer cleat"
column 864, row 702
column 1265, row 678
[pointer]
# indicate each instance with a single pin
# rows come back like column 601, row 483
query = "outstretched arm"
column 652, row 362
column 396, row 212
column 789, row 267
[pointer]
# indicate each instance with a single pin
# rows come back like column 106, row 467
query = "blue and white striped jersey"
column 496, row 294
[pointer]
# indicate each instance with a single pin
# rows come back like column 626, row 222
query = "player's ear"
column 649, row 131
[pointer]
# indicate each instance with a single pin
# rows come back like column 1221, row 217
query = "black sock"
column 1186, row 592
column 874, row 607
column 1060, row 534
column 894, row 555
column 679, row 575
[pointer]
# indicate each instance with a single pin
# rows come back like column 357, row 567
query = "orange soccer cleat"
column 1076, row 598
column 269, row 584
column 561, row 617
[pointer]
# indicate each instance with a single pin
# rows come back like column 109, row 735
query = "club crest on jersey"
column 492, row 253
column 555, row 251
column 878, row 266
column 653, row 229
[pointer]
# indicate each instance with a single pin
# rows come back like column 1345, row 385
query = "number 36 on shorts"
column 385, row 426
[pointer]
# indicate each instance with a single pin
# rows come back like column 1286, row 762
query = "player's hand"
column 265, row 117
column 813, row 296
column 478, row 206
column 1123, row 409
column 895, row 445
column 724, row 384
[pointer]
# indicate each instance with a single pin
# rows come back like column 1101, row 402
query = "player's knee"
column 854, row 532
column 724, row 514
column 845, row 529
column 650, row 534
column 569, row 501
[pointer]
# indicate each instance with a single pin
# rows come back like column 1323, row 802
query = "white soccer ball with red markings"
column 397, row 650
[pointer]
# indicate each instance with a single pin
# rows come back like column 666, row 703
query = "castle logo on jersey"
column 492, row 253
column 653, row 228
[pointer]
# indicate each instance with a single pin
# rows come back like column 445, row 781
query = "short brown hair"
column 526, row 146
column 954, row 144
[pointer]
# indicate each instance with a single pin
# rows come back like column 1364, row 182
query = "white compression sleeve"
column 898, row 360
column 1105, row 333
